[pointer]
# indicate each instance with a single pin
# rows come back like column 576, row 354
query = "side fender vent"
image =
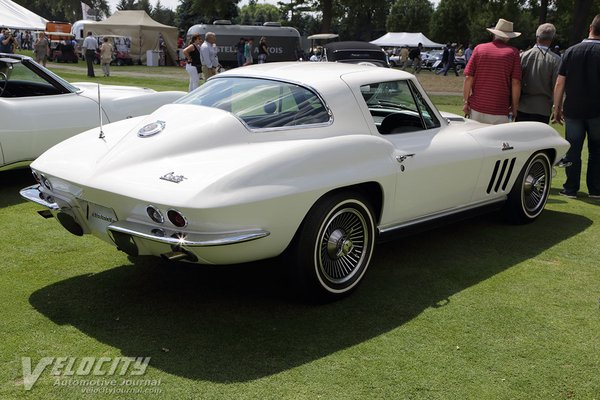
column 503, row 170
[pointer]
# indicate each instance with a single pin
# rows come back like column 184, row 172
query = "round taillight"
column 155, row 214
column 176, row 218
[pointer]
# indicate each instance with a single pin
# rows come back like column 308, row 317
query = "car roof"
column 352, row 45
column 317, row 74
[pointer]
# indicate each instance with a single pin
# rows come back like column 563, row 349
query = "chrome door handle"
column 403, row 157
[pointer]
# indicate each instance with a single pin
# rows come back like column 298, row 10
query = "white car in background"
column 39, row 109
column 317, row 161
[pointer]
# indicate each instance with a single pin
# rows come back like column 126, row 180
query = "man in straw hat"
column 579, row 78
column 493, row 78
column 540, row 69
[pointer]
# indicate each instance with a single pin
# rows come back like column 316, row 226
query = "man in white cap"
column 540, row 69
column 492, row 86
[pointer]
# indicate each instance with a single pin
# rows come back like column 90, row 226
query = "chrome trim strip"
column 185, row 239
column 441, row 214
column 34, row 194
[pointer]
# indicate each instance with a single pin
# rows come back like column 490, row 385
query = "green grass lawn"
column 474, row 310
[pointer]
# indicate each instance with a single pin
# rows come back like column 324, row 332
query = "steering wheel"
column 3, row 82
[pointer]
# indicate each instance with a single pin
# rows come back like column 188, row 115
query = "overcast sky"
column 172, row 4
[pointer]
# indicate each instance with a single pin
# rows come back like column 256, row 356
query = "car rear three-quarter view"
column 315, row 161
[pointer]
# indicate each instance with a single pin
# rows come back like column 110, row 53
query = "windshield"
column 261, row 103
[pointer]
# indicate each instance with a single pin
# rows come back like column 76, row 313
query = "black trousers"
column 523, row 116
column 89, row 59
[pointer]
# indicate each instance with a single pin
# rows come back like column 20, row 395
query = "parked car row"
column 430, row 60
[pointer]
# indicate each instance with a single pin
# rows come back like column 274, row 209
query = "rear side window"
column 262, row 103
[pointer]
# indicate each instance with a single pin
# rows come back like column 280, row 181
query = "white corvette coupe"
column 316, row 161
column 39, row 109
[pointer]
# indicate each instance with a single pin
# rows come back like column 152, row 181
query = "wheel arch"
column 371, row 190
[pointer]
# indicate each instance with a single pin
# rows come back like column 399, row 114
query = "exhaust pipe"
column 177, row 256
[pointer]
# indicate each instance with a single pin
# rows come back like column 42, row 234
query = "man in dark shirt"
column 579, row 79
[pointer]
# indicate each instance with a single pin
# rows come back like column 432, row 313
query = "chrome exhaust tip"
column 176, row 256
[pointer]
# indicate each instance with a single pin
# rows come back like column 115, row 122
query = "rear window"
column 261, row 103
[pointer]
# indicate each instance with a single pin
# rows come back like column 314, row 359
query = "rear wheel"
column 528, row 197
column 333, row 247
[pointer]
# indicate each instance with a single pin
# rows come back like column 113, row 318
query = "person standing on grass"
column 492, row 85
column 193, row 66
column 90, row 45
column 41, row 49
column 579, row 79
column 415, row 57
column 208, row 55
column 248, row 49
column 263, row 50
column 106, row 53
column 540, row 69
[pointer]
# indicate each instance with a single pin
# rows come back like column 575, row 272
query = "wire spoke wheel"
column 333, row 247
column 535, row 186
column 342, row 245
column 529, row 194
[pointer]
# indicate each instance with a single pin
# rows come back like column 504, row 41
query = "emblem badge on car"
column 171, row 177
column 152, row 129
column 506, row 146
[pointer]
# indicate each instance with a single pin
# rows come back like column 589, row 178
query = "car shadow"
column 237, row 323
column 10, row 184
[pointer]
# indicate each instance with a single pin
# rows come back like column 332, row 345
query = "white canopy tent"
column 405, row 39
column 15, row 16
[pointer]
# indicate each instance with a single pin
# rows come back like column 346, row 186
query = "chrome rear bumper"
column 34, row 194
column 183, row 239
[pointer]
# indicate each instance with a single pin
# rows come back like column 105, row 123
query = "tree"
column 410, row 16
column 144, row 5
column 257, row 14
column 126, row 5
column 211, row 10
column 163, row 15
column 449, row 20
column 361, row 20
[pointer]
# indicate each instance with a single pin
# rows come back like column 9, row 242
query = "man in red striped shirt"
column 492, row 87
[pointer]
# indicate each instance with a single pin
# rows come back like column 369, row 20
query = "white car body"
column 251, row 193
column 38, row 109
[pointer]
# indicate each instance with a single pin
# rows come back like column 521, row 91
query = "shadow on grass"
column 10, row 184
column 236, row 323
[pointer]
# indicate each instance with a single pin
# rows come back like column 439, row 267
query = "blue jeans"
column 576, row 130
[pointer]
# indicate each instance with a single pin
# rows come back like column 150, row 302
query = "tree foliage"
column 361, row 20
column 410, row 16
column 258, row 14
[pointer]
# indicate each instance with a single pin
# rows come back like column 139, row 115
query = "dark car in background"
column 355, row 53
column 434, row 61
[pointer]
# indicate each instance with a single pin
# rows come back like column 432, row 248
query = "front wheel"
column 333, row 247
column 528, row 197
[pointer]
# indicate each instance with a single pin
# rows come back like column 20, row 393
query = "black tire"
column 528, row 197
column 393, row 64
column 120, row 62
column 333, row 247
